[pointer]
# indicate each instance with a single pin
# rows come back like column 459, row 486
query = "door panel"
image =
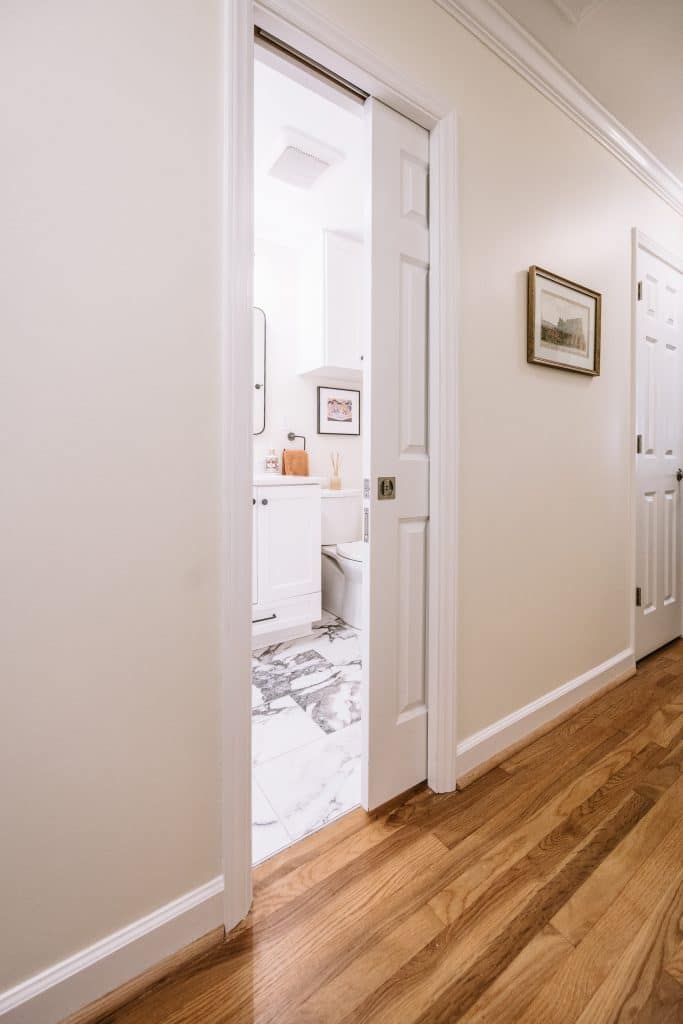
column 395, row 444
column 658, row 383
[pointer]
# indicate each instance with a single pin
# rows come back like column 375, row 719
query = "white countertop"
column 278, row 480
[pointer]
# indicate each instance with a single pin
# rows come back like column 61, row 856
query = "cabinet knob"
column 253, row 501
column 264, row 501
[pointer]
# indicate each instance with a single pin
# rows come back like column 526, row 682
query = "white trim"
column 482, row 746
column 643, row 241
column 505, row 37
column 443, row 445
column 632, row 455
column 91, row 973
column 321, row 39
column 237, row 461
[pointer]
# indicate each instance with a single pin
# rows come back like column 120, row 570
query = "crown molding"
column 505, row 37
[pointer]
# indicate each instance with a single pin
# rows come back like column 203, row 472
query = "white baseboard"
column 63, row 988
column 485, row 745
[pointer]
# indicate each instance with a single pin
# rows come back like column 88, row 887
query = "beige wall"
column 545, row 537
column 110, row 128
column 109, row 323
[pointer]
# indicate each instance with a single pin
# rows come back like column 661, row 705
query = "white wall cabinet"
column 331, row 338
column 287, row 559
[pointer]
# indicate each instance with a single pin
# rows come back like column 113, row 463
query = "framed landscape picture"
column 563, row 325
column 338, row 411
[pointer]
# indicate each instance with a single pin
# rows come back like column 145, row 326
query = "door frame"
column 323, row 41
column 640, row 240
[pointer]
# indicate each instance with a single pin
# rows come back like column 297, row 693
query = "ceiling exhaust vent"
column 303, row 160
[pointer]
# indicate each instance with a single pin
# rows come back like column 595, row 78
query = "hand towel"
column 295, row 462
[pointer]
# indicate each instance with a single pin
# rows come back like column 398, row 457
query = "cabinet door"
column 343, row 301
column 289, row 555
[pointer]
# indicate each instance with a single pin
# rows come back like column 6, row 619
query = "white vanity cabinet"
column 332, row 322
column 287, row 559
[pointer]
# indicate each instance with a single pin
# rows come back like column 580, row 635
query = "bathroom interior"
column 308, row 549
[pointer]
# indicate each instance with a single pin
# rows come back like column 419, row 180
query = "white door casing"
column 395, row 444
column 659, row 368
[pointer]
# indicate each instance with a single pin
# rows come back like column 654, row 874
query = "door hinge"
column 639, row 444
column 366, row 525
column 639, row 597
column 640, row 291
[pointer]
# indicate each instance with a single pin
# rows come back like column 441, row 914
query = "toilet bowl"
column 342, row 581
column 343, row 555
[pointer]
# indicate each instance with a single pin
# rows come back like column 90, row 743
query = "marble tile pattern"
column 306, row 734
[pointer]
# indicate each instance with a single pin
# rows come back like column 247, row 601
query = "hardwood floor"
column 549, row 891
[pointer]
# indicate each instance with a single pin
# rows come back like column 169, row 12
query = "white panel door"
column 395, row 445
column 289, row 558
column 659, row 340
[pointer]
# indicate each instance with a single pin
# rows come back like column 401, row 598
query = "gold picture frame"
column 563, row 323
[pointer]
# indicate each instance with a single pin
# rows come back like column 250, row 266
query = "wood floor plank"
column 565, row 996
column 637, row 987
column 548, row 891
column 578, row 915
column 446, row 978
column 505, row 1000
column 347, row 990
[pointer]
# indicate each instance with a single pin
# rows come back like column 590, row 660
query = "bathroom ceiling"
column 627, row 53
column 288, row 116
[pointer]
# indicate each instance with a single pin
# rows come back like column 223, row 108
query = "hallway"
column 550, row 890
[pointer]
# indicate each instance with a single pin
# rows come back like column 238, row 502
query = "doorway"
column 659, row 435
column 333, row 49
column 341, row 291
column 310, row 198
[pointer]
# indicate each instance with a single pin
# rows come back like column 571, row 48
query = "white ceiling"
column 627, row 53
column 284, row 213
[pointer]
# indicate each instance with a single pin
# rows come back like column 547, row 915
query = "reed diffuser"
column 335, row 479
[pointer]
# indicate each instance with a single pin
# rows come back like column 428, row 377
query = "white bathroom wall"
column 291, row 400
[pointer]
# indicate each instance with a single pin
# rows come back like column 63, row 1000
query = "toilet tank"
column 342, row 515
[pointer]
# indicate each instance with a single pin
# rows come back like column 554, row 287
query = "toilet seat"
column 354, row 549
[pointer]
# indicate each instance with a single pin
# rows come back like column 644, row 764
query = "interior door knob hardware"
column 264, row 501
column 386, row 488
column 679, row 475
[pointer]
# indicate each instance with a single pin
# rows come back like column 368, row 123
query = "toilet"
column 343, row 555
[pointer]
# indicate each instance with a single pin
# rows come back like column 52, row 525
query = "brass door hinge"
column 639, row 597
column 639, row 444
column 640, row 291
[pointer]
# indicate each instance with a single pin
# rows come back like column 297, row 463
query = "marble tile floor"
column 306, row 734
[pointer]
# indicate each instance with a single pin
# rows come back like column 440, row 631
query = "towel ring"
column 291, row 436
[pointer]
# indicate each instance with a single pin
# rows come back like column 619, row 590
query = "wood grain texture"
column 550, row 890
